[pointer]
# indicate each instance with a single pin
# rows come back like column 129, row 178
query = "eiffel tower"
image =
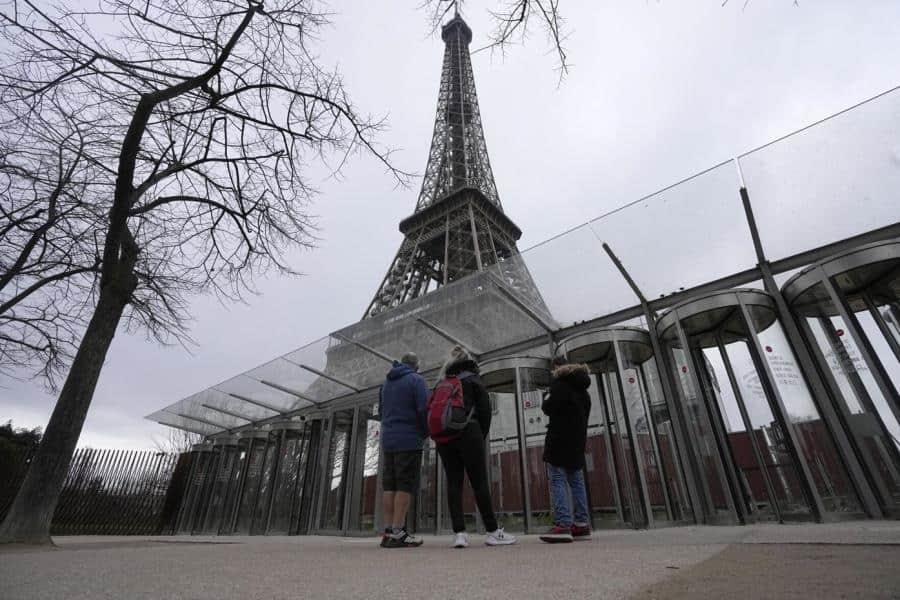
column 458, row 227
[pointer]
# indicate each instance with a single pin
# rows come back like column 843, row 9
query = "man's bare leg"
column 401, row 506
column 387, row 507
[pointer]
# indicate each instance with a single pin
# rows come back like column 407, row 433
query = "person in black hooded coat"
column 568, row 405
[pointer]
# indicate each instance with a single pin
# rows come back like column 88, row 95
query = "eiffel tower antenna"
column 458, row 226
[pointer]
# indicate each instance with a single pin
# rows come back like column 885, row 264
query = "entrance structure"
column 738, row 399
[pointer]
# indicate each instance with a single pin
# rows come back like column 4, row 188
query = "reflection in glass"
column 216, row 504
column 336, row 470
column 503, row 465
column 371, row 452
column 252, row 479
column 288, row 483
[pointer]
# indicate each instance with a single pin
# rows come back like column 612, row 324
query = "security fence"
column 111, row 492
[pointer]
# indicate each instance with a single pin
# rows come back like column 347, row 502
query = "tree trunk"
column 28, row 520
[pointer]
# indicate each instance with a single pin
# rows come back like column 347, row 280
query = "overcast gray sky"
column 658, row 90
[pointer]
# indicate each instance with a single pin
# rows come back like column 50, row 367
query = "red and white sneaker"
column 559, row 534
column 581, row 533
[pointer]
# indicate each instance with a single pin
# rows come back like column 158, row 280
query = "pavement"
column 819, row 561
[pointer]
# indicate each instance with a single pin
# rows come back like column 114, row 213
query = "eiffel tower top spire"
column 458, row 158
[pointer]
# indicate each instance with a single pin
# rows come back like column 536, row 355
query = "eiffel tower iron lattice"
column 458, row 227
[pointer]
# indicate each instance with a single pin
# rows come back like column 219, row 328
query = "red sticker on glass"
column 768, row 348
column 631, row 380
column 840, row 332
column 684, row 369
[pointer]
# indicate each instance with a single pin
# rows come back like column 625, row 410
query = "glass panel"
column 336, row 470
column 577, row 255
column 665, row 435
column 602, row 491
column 696, row 228
column 843, row 171
column 828, row 472
column 309, row 477
column 233, row 494
column 504, row 464
column 371, row 452
column 626, row 470
column 702, row 437
column 884, row 354
column 291, row 466
column 767, row 437
column 891, row 315
column 251, row 486
column 216, row 504
column 195, row 488
column 534, row 384
column 636, row 403
column 261, row 513
column 428, row 492
column 861, row 401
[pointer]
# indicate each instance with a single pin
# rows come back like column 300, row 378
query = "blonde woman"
column 465, row 454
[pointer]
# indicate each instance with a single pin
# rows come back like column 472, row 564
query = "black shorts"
column 401, row 471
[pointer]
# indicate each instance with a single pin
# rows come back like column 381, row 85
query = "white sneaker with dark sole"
column 461, row 540
column 499, row 538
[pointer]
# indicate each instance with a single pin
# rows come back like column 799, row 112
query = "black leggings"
column 466, row 454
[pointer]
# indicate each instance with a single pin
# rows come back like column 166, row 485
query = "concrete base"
column 855, row 560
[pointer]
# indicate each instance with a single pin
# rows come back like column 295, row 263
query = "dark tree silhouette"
column 174, row 139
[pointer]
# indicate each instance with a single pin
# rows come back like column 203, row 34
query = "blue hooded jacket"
column 401, row 405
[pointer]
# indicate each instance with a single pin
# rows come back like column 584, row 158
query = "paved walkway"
column 846, row 560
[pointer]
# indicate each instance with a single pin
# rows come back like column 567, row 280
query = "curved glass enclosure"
column 632, row 467
column 202, row 459
column 758, row 440
column 227, row 457
column 519, row 487
column 848, row 307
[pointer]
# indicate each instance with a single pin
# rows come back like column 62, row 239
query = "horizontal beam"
column 258, row 403
column 365, row 347
column 201, row 420
column 448, row 336
column 287, row 390
column 228, row 412
column 333, row 378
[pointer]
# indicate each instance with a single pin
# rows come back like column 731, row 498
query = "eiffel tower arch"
column 459, row 226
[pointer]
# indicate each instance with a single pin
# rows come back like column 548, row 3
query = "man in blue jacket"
column 401, row 405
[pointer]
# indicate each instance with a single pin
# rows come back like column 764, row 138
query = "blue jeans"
column 567, row 492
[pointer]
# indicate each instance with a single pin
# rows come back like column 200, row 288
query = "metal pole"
column 523, row 452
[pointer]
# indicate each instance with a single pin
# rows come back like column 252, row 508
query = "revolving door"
column 633, row 471
column 760, row 446
column 848, row 308
column 519, row 485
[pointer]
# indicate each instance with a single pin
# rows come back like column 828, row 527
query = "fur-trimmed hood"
column 577, row 374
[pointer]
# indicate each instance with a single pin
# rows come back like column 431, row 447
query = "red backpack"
column 446, row 410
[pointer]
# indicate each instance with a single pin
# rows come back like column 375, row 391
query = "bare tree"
column 208, row 114
column 176, row 441
column 513, row 20
column 48, row 239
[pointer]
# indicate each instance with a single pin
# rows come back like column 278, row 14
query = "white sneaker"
column 500, row 538
column 461, row 540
